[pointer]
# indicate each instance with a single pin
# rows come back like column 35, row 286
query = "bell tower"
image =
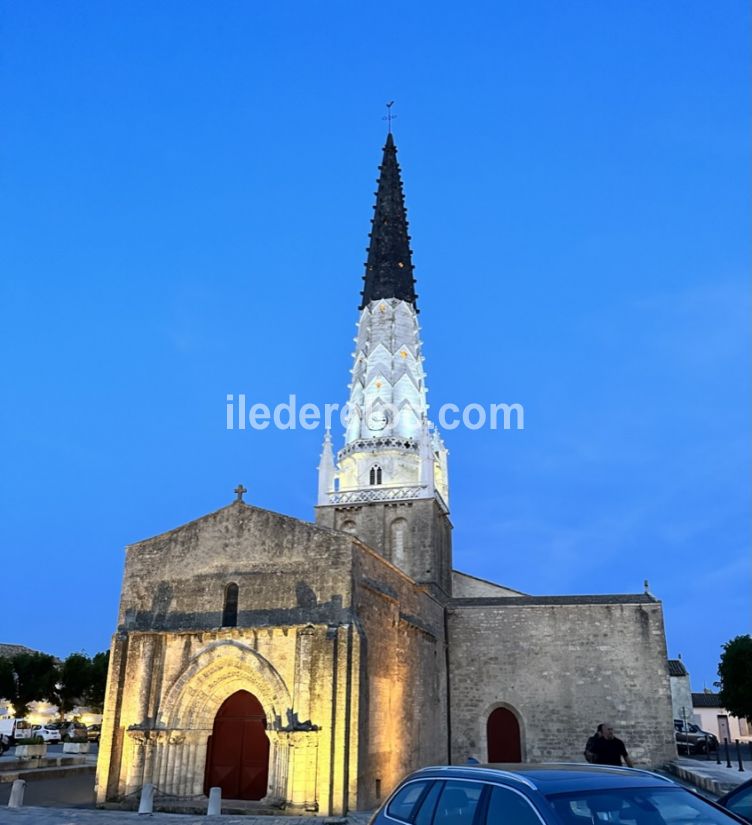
column 388, row 484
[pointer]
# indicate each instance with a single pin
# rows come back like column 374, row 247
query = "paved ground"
column 72, row 792
column 53, row 816
column 69, row 801
column 708, row 775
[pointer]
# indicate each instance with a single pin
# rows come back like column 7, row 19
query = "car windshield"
column 636, row 806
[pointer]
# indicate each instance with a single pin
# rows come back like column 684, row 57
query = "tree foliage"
column 94, row 696
column 38, row 677
column 75, row 679
column 735, row 671
column 35, row 676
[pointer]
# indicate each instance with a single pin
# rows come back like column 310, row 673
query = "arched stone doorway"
column 237, row 756
column 503, row 736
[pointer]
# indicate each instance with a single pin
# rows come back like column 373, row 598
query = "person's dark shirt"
column 608, row 751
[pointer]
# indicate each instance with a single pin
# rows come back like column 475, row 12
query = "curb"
column 706, row 783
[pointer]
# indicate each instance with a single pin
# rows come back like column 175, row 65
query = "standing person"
column 609, row 750
column 589, row 745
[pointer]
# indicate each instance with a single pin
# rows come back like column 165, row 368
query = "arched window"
column 230, row 609
column 398, row 536
column 374, row 476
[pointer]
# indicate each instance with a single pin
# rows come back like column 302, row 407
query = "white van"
column 12, row 729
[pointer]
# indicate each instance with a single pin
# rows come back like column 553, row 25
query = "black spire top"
column 389, row 268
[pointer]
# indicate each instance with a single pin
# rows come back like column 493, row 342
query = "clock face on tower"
column 377, row 420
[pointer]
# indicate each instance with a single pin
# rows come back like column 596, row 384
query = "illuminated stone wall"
column 403, row 702
column 562, row 664
column 343, row 651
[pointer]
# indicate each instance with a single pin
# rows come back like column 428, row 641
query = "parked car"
column 693, row 739
column 94, row 732
column 553, row 794
column 739, row 800
column 48, row 734
column 74, row 731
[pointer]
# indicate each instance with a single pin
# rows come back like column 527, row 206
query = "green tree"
column 35, row 676
column 735, row 670
column 75, row 681
column 7, row 679
column 94, row 696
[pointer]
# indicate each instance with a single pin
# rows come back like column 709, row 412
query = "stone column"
column 302, row 791
column 135, row 767
column 301, row 700
column 200, row 738
column 175, row 760
column 279, row 752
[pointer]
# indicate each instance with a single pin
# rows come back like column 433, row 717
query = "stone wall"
column 428, row 539
column 466, row 586
column 562, row 665
column 681, row 699
column 287, row 572
column 403, row 698
column 172, row 665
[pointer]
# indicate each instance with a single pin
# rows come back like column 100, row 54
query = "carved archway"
column 189, row 710
column 219, row 670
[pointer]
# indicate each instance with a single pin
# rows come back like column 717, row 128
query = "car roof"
column 552, row 777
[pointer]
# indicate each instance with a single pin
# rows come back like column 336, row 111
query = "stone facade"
column 333, row 640
column 414, row 535
column 561, row 665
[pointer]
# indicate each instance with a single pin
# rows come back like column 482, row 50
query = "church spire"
column 389, row 268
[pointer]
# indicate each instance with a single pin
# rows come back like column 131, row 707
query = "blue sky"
column 186, row 197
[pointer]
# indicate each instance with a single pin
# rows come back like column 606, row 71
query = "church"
column 311, row 665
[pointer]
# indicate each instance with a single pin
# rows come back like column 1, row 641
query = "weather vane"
column 389, row 116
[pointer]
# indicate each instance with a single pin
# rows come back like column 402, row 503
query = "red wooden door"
column 237, row 758
column 503, row 731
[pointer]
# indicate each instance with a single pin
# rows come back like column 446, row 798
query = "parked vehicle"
column 94, row 732
column 693, row 739
column 74, row 732
column 739, row 801
column 13, row 729
column 48, row 734
column 553, row 794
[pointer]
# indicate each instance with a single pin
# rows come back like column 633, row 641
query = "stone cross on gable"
column 239, row 490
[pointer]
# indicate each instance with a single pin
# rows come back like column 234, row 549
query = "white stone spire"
column 392, row 452
column 387, row 393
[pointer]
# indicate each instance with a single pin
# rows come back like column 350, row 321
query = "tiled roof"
column 676, row 668
column 706, row 700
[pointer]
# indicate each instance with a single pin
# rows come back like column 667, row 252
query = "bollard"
column 739, row 755
column 215, row 802
column 725, row 745
column 707, row 748
column 718, row 753
column 17, row 793
column 146, row 805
